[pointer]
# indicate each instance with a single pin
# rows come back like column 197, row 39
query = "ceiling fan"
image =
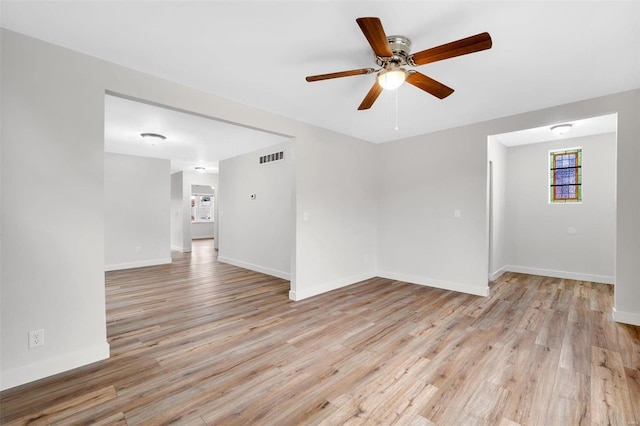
column 393, row 54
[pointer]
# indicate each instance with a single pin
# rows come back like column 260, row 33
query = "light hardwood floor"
column 199, row 342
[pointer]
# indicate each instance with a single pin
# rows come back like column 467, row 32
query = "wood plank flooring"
column 200, row 342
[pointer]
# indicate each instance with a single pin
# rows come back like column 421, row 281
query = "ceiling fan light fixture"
column 153, row 138
column 561, row 129
column 391, row 79
column 394, row 52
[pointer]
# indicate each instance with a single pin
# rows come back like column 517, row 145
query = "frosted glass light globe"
column 391, row 79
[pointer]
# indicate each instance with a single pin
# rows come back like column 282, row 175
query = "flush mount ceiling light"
column 391, row 79
column 153, row 138
column 561, row 129
column 200, row 169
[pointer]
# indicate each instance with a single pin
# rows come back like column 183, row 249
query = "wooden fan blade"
column 373, row 31
column 428, row 84
column 460, row 47
column 371, row 97
column 339, row 74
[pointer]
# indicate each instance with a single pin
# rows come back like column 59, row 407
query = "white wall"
column 177, row 212
column 136, row 211
column 202, row 230
column 52, row 216
column 539, row 233
column 424, row 180
column 498, row 205
column 257, row 233
column 336, row 191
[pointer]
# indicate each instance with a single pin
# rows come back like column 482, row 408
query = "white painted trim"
column 262, row 269
column 305, row 293
column 561, row 274
column 180, row 249
column 626, row 317
column 495, row 275
column 49, row 367
column 141, row 264
column 430, row 282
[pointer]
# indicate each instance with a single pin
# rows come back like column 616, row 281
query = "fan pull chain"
column 397, row 108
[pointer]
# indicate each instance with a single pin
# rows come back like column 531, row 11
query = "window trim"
column 552, row 181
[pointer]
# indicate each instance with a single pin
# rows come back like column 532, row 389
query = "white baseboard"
column 495, row 275
column 304, row 293
column 430, row 282
column 49, row 367
column 561, row 274
column 180, row 249
column 626, row 317
column 140, row 264
column 262, row 269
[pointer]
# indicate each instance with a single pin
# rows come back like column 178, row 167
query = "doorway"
column 534, row 233
column 189, row 147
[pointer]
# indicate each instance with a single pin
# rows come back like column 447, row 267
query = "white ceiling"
column 544, row 53
column 191, row 141
column 587, row 126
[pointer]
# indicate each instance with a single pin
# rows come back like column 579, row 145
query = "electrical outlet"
column 36, row 338
column 138, row 249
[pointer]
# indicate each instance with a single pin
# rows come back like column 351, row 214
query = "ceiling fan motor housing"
column 400, row 46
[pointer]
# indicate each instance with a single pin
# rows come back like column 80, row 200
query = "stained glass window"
column 565, row 176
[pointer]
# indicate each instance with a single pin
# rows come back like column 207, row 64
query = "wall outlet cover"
column 36, row 338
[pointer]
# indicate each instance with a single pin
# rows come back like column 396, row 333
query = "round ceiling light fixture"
column 153, row 138
column 391, row 79
column 200, row 169
column 561, row 129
